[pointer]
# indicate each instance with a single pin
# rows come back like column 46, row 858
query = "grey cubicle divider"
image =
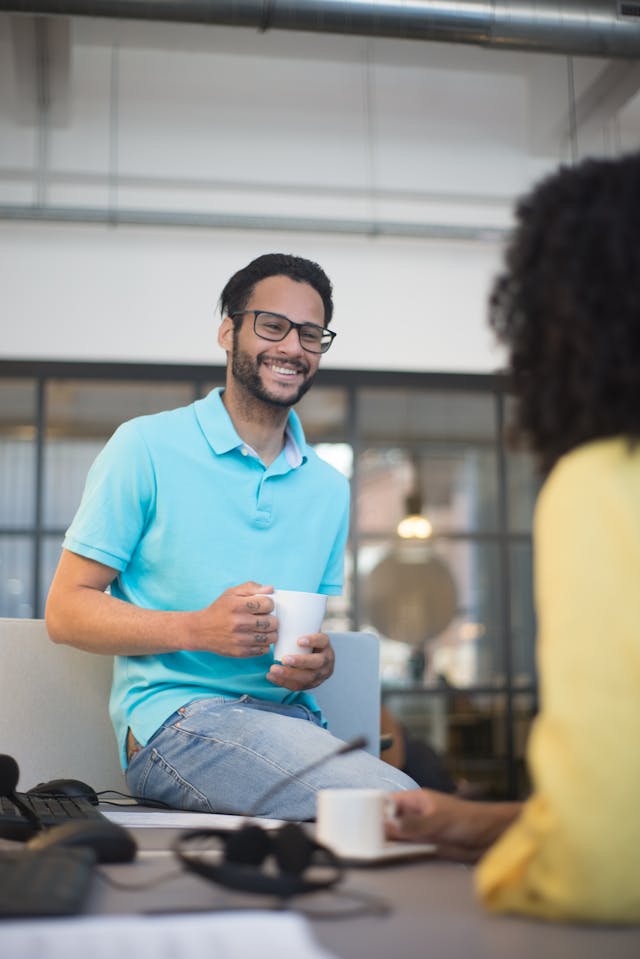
column 54, row 703
column 350, row 699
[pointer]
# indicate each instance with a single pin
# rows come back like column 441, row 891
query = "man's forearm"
column 89, row 619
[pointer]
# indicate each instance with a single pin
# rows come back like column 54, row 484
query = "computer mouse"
column 110, row 841
column 72, row 788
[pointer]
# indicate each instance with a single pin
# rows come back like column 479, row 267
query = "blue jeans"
column 223, row 756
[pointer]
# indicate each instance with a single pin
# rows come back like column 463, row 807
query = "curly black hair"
column 239, row 288
column 568, row 307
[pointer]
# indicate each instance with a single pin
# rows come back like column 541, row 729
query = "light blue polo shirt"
column 180, row 506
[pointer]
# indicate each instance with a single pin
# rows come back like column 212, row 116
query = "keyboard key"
column 50, row 811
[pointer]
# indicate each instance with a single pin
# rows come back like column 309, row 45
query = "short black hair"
column 568, row 307
column 238, row 290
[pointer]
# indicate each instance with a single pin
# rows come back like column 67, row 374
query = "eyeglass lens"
column 313, row 338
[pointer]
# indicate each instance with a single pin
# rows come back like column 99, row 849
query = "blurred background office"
column 148, row 150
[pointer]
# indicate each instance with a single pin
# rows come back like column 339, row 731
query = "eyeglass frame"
column 326, row 332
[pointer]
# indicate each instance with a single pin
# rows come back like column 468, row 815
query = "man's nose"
column 291, row 342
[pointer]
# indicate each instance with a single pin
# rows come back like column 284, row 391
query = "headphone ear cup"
column 292, row 850
column 249, row 845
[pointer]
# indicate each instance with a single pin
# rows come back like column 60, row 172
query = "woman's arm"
column 461, row 829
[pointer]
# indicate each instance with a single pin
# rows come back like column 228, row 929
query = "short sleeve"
column 117, row 501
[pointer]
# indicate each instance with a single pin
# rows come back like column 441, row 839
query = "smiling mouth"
column 290, row 371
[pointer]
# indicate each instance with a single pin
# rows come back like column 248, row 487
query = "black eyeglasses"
column 275, row 327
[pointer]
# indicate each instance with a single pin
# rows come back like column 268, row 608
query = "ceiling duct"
column 601, row 28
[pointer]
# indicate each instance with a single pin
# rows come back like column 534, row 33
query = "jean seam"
column 249, row 751
column 156, row 759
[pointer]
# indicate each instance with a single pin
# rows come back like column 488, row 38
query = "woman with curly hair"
column 568, row 308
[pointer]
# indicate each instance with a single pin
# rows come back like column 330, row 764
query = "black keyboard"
column 49, row 810
column 47, row 882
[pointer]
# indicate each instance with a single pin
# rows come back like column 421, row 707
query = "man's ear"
column 225, row 334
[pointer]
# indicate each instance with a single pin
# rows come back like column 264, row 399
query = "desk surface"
column 432, row 915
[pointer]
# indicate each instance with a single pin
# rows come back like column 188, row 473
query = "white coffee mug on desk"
column 298, row 614
column 351, row 821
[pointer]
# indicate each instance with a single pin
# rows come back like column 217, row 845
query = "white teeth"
column 285, row 370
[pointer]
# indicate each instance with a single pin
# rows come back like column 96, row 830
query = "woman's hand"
column 461, row 829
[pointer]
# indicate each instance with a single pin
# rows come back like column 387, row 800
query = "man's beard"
column 246, row 372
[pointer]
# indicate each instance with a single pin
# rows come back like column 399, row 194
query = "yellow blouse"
column 574, row 853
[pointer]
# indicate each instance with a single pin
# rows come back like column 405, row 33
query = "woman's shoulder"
column 616, row 459
column 592, row 478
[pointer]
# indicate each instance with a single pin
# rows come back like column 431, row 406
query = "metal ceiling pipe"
column 602, row 28
column 240, row 221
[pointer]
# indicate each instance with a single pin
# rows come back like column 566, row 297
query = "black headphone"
column 252, row 859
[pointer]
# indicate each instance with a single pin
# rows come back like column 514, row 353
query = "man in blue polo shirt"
column 188, row 520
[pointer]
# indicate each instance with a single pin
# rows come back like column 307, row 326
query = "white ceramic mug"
column 299, row 614
column 351, row 821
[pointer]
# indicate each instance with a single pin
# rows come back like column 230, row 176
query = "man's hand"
column 79, row 612
column 239, row 623
column 308, row 668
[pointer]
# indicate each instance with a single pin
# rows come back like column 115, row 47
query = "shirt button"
column 244, row 451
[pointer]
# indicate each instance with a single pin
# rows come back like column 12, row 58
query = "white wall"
column 203, row 120
column 133, row 293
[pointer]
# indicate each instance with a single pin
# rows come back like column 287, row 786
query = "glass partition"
column 454, row 610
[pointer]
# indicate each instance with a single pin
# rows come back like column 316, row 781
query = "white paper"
column 223, row 936
column 178, row 819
